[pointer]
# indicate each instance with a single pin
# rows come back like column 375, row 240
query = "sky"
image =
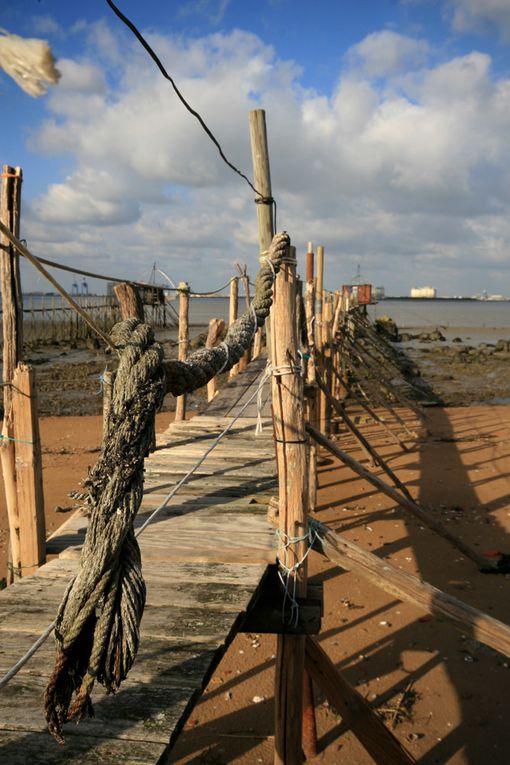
column 388, row 128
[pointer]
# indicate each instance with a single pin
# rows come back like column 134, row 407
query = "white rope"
column 45, row 635
column 286, row 572
column 227, row 357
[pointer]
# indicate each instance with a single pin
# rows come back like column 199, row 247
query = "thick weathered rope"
column 98, row 624
column 204, row 364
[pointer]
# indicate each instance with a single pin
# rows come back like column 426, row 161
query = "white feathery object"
column 29, row 62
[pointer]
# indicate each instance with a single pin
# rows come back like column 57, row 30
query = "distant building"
column 378, row 293
column 423, row 292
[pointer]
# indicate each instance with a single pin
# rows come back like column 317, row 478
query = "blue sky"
column 388, row 126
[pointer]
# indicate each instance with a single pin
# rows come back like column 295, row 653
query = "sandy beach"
column 458, row 470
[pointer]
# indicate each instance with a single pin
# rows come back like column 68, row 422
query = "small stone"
column 258, row 699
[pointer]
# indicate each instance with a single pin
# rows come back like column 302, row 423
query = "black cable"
column 192, row 111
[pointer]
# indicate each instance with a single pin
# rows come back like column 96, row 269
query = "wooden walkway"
column 203, row 559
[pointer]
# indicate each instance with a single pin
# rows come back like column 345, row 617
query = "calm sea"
column 446, row 314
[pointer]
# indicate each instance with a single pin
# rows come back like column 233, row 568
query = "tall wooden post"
column 262, row 182
column 29, row 485
column 311, row 397
column 184, row 290
column 232, row 314
column 12, row 322
column 290, row 443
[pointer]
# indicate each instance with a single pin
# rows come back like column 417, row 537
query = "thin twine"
column 42, row 639
column 255, row 322
column 16, row 440
column 285, row 572
column 269, row 262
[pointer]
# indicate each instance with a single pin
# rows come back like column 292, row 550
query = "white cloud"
column 387, row 52
column 408, row 179
column 481, row 15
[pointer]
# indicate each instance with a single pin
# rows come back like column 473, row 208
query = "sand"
column 459, row 471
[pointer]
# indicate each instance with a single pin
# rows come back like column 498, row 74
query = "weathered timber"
column 483, row 563
column 184, row 290
column 29, row 484
column 368, row 728
column 409, row 588
column 216, row 327
column 130, row 301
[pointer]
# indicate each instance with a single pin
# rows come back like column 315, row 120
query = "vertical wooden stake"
column 311, row 397
column 12, row 323
column 216, row 327
column 28, row 470
column 232, row 314
column 130, row 302
column 184, row 290
column 290, row 444
column 262, row 182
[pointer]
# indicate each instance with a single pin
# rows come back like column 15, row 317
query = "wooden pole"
column 262, row 182
column 290, row 443
column 484, row 563
column 216, row 327
column 130, row 302
column 184, row 290
column 243, row 275
column 29, row 483
column 356, row 712
column 262, row 177
column 232, row 315
column 12, row 322
column 406, row 587
column 311, row 388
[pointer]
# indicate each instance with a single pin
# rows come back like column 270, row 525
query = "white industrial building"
column 423, row 292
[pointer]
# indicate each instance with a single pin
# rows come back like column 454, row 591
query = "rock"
column 436, row 335
column 457, row 340
column 387, row 327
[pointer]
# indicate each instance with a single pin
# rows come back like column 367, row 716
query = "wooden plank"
column 29, row 484
column 379, row 742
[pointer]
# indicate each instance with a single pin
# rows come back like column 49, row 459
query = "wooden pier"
column 204, row 557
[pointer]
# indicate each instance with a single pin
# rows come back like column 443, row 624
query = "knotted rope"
column 97, row 628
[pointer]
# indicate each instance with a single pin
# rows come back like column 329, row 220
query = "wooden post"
column 262, row 182
column 327, row 320
column 12, row 322
column 184, row 290
column 130, row 302
column 216, row 327
column 232, row 314
column 243, row 275
column 290, row 443
column 29, row 483
column 311, row 398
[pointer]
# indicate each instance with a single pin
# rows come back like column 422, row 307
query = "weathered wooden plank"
column 38, row 748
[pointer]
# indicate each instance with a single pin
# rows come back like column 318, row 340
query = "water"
column 445, row 314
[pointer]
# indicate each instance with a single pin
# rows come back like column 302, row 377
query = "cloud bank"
column 403, row 168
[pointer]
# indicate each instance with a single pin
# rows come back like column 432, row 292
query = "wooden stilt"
column 130, row 302
column 232, row 315
column 184, row 290
column 12, row 324
column 356, row 712
column 29, row 485
column 216, row 327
